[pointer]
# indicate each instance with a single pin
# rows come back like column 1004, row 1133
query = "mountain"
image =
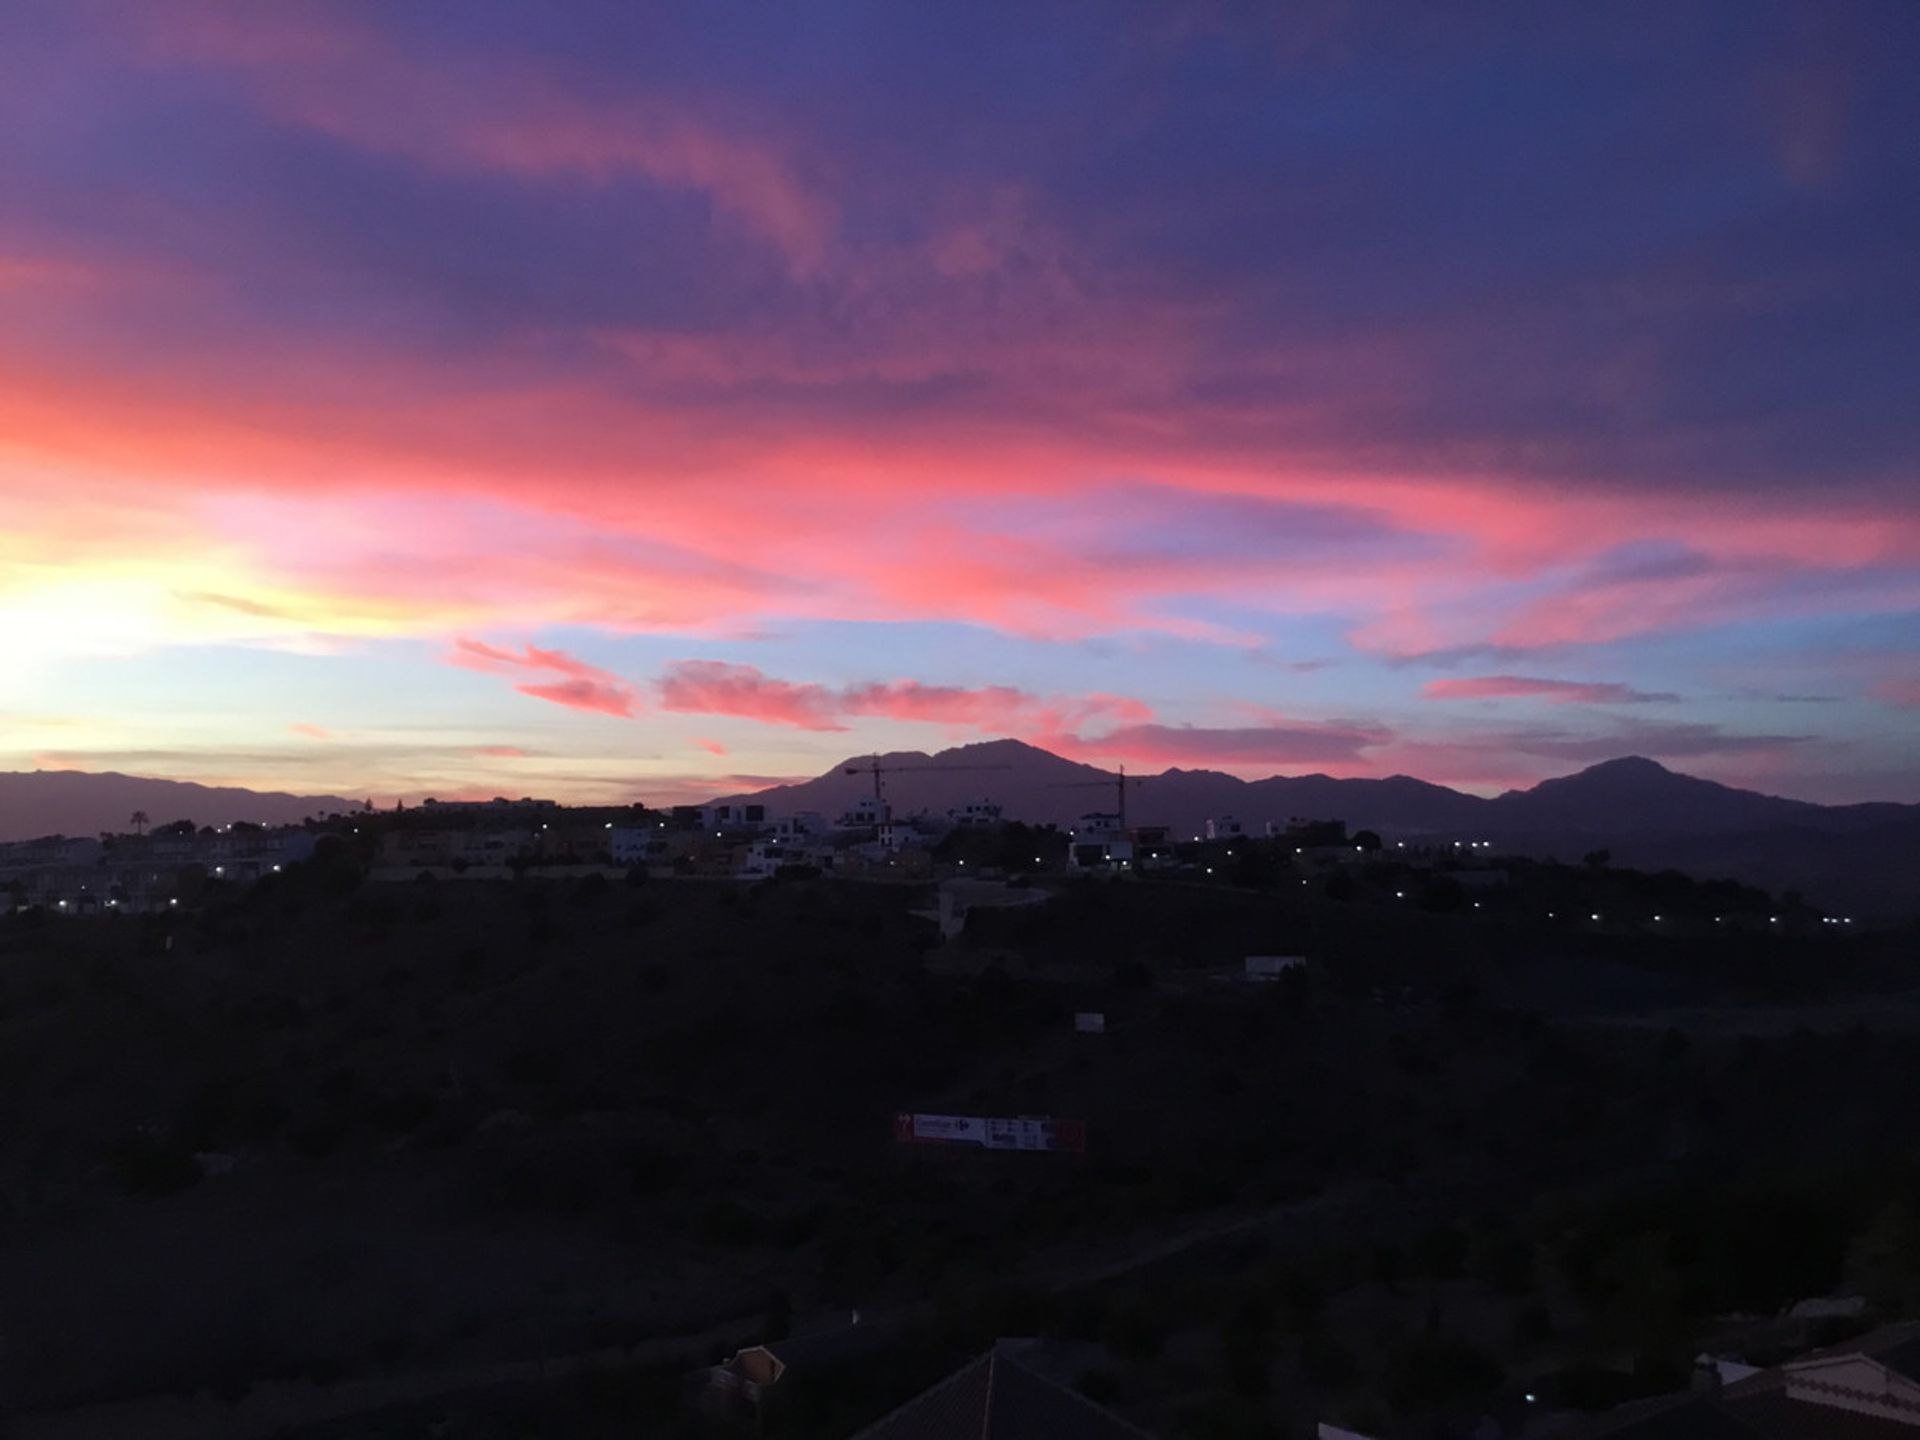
column 1031, row 782
column 1640, row 795
column 1043, row 788
column 81, row 802
column 1857, row 856
column 1629, row 796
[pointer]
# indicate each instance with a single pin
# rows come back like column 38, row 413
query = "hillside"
column 464, row 1123
column 81, row 802
column 1848, row 856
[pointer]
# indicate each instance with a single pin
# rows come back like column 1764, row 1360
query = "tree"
column 1597, row 859
column 1367, row 839
column 1884, row 1259
column 139, row 821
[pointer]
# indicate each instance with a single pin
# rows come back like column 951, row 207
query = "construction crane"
column 879, row 772
column 1119, row 783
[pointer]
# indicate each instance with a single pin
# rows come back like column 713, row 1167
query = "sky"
column 607, row 401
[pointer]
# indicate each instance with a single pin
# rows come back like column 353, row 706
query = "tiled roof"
column 1759, row 1405
column 998, row 1398
column 1673, row 1417
column 1780, row 1416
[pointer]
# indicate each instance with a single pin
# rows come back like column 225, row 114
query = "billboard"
column 1025, row 1132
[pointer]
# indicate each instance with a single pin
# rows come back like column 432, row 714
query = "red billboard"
column 1024, row 1132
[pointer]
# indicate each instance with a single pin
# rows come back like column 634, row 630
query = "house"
column 1000, row 1396
column 740, row 1387
column 732, row 815
column 417, row 848
column 1867, row 1388
column 1224, row 827
column 1098, row 825
column 975, row 815
column 865, row 813
column 764, row 858
column 1099, row 854
column 799, row 828
column 636, row 844
column 16, row 855
column 570, row 841
column 429, row 848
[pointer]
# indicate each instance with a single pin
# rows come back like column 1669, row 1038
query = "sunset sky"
column 611, row 401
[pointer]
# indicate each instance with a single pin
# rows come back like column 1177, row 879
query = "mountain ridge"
column 87, row 802
column 1859, row 856
column 1629, row 792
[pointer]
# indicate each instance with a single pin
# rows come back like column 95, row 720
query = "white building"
column 866, row 813
column 975, row 815
column 733, row 815
column 1099, row 853
column 634, row 844
column 1224, row 827
column 1098, row 825
column 800, row 827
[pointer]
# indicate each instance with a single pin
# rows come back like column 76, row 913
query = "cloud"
column 504, row 117
column 607, row 699
column 587, row 687
column 258, row 609
column 503, row 752
column 1904, row 693
column 761, row 338
column 312, row 732
column 1557, row 692
column 712, row 747
column 715, row 687
column 1276, row 742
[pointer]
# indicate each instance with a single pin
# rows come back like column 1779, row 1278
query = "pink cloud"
column 714, row 687
column 587, row 687
column 1904, row 692
column 312, row 732
column 712, row 747
column 607, row 699
column 502, row 752
column 1557, row 692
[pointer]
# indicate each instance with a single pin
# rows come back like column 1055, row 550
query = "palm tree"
column 139, row 822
